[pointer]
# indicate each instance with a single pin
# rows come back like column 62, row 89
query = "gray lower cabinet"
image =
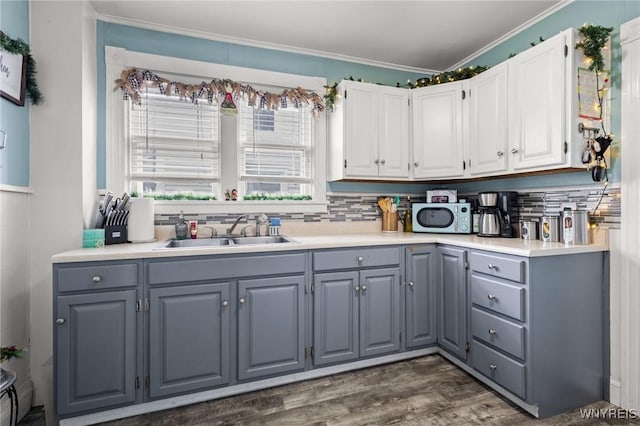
column 271, row 326
column 356, row 314
column 420, row 296
column 452, row 295
column 95, row 349
column 189, row 338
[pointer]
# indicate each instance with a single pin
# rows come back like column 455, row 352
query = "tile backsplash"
column 358, row 208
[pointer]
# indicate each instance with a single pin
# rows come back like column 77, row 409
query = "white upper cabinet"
column 488, row 122
column 537, row 105
column 438, row 131
column 369, row 132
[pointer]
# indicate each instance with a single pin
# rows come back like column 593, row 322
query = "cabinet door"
column 379, row 311
column 393, row 143
column 189, row 338
column 488, row 121
column 437, row 131
column 452, row 281
column 271, row 326
column 537, row 105
column 361, row 130
column 420, row 297
column 95, row 351
column 335, row 317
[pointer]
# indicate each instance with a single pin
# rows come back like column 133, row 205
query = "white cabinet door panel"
column 361, row 130
column 393, row 144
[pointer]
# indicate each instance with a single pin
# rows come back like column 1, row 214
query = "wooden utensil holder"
column 389, row 221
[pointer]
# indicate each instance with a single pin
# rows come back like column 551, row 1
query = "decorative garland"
column 19, row 47
column 225, row 92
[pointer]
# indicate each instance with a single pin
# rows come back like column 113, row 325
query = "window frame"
column 117, row 167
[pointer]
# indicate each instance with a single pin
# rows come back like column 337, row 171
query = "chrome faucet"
column 238, row 219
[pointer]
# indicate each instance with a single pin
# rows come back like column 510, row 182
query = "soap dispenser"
column 181, row 227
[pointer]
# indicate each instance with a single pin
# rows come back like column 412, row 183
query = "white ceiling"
column 427, row 35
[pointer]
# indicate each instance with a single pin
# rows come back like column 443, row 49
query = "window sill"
column 236, row 207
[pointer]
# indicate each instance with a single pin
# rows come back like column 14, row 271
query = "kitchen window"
column 170, row 147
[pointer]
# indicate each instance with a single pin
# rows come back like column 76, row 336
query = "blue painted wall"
column 14, row 120
column 160, row 43
column 609, row 13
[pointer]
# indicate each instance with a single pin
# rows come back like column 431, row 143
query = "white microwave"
column 445, row 218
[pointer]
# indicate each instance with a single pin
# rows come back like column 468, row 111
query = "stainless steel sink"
column 261, row 240
column 202, row 242
column 224, row 241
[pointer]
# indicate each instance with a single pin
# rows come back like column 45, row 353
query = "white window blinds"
column 275, row 150
column 173, row 145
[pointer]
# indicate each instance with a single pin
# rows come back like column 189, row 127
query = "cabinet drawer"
column 499, row 368
column 500, row 297
column 498, row 266
column 210, row 268
column 97, row 277
column 500, row 333
column 355, row 258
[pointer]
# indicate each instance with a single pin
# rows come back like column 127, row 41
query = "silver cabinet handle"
column 357, row 289
column 514, row 150
column 492, row 332
column 416, row 164
column 410, row 284
column 60, row 321
column 225, row 303
column 242, row 300
column 377, row 161
column 382, row 161
column 360, row 259
column 491, row 296
column 96, row 279
column 364, row 288
column 493, row 367
column 491, row 266
column 500, row 153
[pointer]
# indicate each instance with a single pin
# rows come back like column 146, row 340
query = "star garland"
column 19, row 47
column 224, row 91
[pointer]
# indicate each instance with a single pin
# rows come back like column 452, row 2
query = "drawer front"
column 504, row 371
column 355, row 258
column 95, row 277
column 498, row 266
column 500, row 333
column 212, row 268
column 499, row 297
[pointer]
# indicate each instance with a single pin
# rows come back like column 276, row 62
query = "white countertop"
column 514, row 246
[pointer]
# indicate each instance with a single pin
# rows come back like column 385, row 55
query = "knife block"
column 115, row 234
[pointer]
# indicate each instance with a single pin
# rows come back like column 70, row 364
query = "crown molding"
column 255, row 43
column 513, row 32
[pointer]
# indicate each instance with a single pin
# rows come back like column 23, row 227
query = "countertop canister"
column 575, row 227
column 140, row 225
column 550, row 228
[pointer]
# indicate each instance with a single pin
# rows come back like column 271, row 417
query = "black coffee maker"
column 507, row 205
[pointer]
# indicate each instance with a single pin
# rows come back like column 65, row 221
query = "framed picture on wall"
column 13, row 77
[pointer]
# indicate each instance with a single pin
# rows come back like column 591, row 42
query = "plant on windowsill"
column 269, row 197
column 176, row 197
column 6, row 353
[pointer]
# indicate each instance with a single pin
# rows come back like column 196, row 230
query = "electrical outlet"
column 568, row 205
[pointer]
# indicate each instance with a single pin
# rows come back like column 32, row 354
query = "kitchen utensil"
column 382, row 204
column 575, row 227
column 123, row 202
column 550, row 228
column 105, row 203
column 529, row 230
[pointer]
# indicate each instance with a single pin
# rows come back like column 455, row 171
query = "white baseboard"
column 24, row 391
column 614, row 392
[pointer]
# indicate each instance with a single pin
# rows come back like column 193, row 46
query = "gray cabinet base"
column 193, row 398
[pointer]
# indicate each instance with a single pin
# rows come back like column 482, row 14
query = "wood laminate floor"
column 422, row 391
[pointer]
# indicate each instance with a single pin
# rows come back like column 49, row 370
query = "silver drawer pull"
column 360, row 259
column 242, row 300
column 364, row 288
column 491, row 296
column 96, row 279
column 225, row 303
column 492, row 332
column 410, row 284
column 356, row 289
column 492, row 266
column 493, row 367
column 60, row 321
